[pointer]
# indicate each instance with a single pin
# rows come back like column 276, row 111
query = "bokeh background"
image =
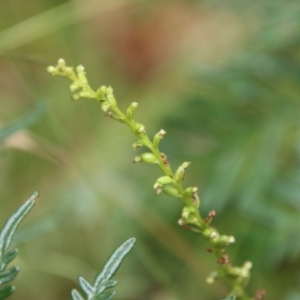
column 221, row 77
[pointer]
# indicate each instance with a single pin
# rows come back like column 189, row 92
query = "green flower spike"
column 170, row 183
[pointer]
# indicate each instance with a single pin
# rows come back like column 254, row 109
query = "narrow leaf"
column 106, row 295
column 9, row 256
column 75, row 295
column 8, row 275
column 13, row 222
column 7, row 291
column 106, row 284
column 114, row 261
column 86, row 287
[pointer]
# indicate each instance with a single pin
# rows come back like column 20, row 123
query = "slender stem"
column 170, row 184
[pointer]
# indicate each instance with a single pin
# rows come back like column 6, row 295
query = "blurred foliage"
column 23, row 122
column 221, row 77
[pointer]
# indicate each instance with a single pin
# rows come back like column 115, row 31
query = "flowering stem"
column 170, row 183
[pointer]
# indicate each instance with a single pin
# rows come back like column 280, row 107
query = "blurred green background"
column 221, row 77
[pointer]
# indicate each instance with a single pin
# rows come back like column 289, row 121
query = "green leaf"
column 86, row 287
column 114, row 261
column 6, row 291
column 6, row 255
column 10, row 227
column 100, row 290
column 106, row 284
column 8, row 275
column 10, row 255
column 108, row 295
column 75, row 295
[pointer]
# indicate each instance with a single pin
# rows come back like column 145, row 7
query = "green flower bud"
column 158, row 137
column 193, row 220
column 196, row 200
column 149, row 158
column 224, row 240
column 189, row 216
column 156, row 185
column 61, row 63
column 170, row 190
column 186, row 211
column 190, row 191
column 214, row 235
column 180, row 173
column 131, row 110
column 85, row 94
column 159, row 191
column 138, row 129
column 105, row 106
column 141, row 129
column 137, row 159
column 129, row 114
column 196, row 228
column 101, row 93
column 139, row 144
column 68, row 71
column 75, row 97
column 245, row 269
column 210, row 280
column 164, row 180
column 74, row 86
column 133, row 106
column 81, row 74
column 109, row 90
column 215, row 276
column 136, row 145
column 210, row 233
column 51, row 70
column 111, row 99
column 247, row 265
column 234, row 272
column 182, row 222
column 80, row 69
column 158, row 188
